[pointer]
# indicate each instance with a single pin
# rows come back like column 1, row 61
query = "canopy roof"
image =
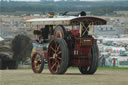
column 1, row 39
column 66, row 20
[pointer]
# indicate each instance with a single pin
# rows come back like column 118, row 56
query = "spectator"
column 103, row 61
column 114, row 62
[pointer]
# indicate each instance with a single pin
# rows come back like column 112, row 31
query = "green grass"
column 103, row 76
column 99, row 68
column 113, row 68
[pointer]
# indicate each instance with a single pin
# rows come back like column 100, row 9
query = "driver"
column 44, row 34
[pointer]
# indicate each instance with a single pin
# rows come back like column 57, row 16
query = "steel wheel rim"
column 36, row 63
column 59, row 34
column 54, row 56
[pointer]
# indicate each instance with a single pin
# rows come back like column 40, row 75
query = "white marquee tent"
column 1, row 39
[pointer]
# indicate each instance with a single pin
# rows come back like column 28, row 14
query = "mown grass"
column 113, row 68
column 99, row 68
column 103, row 76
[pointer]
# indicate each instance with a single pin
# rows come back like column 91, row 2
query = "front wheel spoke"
column 35, row 62
column 38, row 67
column 38, row 59
column 37, row 56
column 39, row 62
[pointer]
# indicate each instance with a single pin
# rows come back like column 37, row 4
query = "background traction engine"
column 68, row 48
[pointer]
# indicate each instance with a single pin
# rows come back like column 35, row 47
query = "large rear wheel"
column 58, row 56
column 37, row 62
column 94, row 61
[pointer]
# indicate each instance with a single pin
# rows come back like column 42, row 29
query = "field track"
column 72, row 77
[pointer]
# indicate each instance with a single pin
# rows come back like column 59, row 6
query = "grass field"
column 103, row 76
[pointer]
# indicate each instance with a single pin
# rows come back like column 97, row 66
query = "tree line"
column 96, row 8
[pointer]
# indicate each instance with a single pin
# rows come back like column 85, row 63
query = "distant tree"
column 96, row 8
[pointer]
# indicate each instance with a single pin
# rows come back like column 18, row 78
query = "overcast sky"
column 25, row 0
column 80, row 0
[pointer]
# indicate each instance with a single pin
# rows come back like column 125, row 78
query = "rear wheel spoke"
column 51, row 58
column 56, row 45
column 59, row 52
column 59, row 58
column 58, row 66
column 58, row 48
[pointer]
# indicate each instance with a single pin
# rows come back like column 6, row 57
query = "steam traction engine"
column 67, row 42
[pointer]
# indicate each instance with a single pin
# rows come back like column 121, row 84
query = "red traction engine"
column 68, row 42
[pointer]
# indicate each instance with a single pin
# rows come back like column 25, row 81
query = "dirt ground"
column 72, row 77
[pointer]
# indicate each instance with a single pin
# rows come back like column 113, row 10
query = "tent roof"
column 1, row 39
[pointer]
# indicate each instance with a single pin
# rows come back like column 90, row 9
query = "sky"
column 80, row 0
column 25, row 0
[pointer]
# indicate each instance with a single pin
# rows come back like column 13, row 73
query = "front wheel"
column 94, row 61
column 37, row 62
column 58, row 56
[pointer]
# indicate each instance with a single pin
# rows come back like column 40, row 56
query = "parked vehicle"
column 68, row 42
column 13, row 50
